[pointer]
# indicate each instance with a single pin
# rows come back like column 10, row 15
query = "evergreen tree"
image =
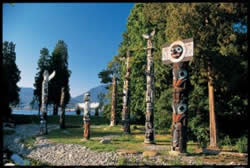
column 43, row 64
column 59, row 63
column 220, row 36
column 112, row 74
column 11, row 75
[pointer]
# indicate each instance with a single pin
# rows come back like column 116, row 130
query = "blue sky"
column 92, row 31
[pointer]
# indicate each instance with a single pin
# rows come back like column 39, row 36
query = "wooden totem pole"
column 113, row 105
column 178, row 53
column 62, row 103
column 86, row 116
column 45, row 88
column 149, row 123
column 125, row 109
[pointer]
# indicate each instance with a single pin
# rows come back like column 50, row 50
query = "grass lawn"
column 73, row 134
column 134, row 141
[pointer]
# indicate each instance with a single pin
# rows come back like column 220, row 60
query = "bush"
column 226, row 141
column 242, row 144
column 163, row 111
column 200, row 130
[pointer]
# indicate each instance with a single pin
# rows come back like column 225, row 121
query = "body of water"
column 35, row 112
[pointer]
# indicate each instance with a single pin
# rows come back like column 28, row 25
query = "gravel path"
column 68, row 154
column 12, row 141
column 60, row 154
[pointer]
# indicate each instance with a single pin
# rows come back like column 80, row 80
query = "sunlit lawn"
column 73, row 134
column 134, row 141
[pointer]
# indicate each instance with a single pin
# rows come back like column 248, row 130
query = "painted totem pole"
column 149, row 123
column 86, row 116
column 86, row 106
column 62, row 103
column 45, row 86
column 113, row 115
column 125, row 109
column 178, row 53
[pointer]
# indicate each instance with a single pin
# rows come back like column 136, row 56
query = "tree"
column 223, row 41
column 112, row 74
column 101, row 98
column 11, row 75
column 59, row 63
column 43, row 64
column 212, row 27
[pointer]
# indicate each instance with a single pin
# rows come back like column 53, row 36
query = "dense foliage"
column 58, row 62
column 10, row 77
column 220, row 37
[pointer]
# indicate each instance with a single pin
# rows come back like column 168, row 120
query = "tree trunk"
column 125, row 110
column 39, row 112
column 212, row 117
column 62, row 118
column 97, row 112
column 149, row 123
column 55, row 109
column 113, row 106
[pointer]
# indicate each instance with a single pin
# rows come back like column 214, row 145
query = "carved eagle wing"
column 52, row 75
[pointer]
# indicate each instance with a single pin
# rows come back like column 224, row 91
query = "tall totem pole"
column 45, row 87
column 149, row 123
column 178, row 53
column 125, row 109
column 113, row 105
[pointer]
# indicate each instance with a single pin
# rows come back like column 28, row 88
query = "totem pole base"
column 213, row 147
column 112, row 123
column 86, row 133
column 176, row 153
column 146, row 141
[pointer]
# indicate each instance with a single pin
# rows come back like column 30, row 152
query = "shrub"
column 226, row 141
column 242, row 144
column 200, row 130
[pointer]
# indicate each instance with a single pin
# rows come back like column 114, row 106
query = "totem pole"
column 62, row 103
column 86, row 106
column 149, row 123
column 43, row 122
column 113, row 105
column 86, row 116
column 125, row 109
column 178, row 53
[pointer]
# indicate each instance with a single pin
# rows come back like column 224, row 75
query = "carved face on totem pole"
column 176, row 51
column 86, row 106
column 86, row 97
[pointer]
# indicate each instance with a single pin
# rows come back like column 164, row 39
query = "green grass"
column 29, row 141
column 134, row 141
column 176, row 161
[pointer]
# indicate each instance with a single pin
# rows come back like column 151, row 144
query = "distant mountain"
column 26, row 96
column 93, row 96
